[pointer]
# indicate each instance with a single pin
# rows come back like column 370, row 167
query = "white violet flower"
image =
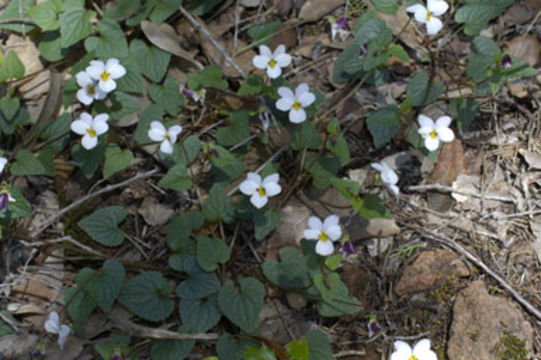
column 272, row 61
column 3, row 162
column 89, row 90
column 421, row 351
column 295, row 102
column 388, row 176
column 106, row 73
column 427, row 15
column 260, row 191
column 339, row 27
column 168, row 137
column 324, row 232
column 53, row 326
column 433, row 133
column 90, row 127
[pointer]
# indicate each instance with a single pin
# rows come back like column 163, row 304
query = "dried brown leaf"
column 525, row 47
column 533, row 159
column 313, row 10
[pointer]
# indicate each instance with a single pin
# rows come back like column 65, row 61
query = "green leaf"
column 333, row 262
column 75, row 22
column 176, row 178
column 180, row 228
column 230, row 348
column 11, row 11
column 226, row 166
column 419, row 91
column 11, row 67
column 318, row 343
column 189, row 150
column 252, row 85
column 218, row 205
column 371, row 206
column 242, row 306
column 464, row 111
column 50, row 46
column 298, row 349
column 11, row 115
column 5, row 329
column 45, row 14
column 386, row 6
column 102, row 225
column 152, row 61
column 167, row 95
column 26, row 164
column 259, row 353
column 349, row 64
column 88, row 160
column 201, row 8
column 201, row 314
column 263, row 32
column 290, row 273
column 477, row 13
column 209, row 76
column 132, row 82
column 104, row 285
column 79, row 303
column 110, row 43
column 56, row 128
column 199, row 285
column 116, row 160
column 305, row 136
column 323, row 170
column 336, row 301
column 147, row 296
column 152, row 113
column 171, row 349
column 383, row 125
column 336, row 143
column 121, row 104
column 211, row 252
column 123, row 10
column 265, row 222
column 237, row 131
column 18, row 209
column 164, row 9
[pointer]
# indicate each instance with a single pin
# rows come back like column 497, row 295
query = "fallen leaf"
column 533, row 159
column 250, row 3
column 153, row 212
column 525, row 47
column 244, row 60
column 522, row 12
column 283, row 7
column 313, row 10
column 518, row 89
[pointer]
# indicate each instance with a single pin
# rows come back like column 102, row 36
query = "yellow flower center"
column 261, row 191
column 433, row 134
column 323, row 236
column 296, row 105
column 413, row 357
column 167, row 136
column 91, row 89
column 105, row 75
column 272, row 63
column 91, row 132
column 428, row 16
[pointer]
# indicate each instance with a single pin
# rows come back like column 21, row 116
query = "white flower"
column 90, row 128
column 272, row 61
column 295, row 103
column 106, row 74
column 388, row 176
column 421, row 351
column 325, row 233
column 168, row 137
column 434, row 133
column 53, row 326
column 260, row 191
column 3, row 162
column 339, row 27
column 428, row 15
column 90, row 90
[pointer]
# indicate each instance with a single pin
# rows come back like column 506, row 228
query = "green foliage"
column 259, row 353
column 298, row 349
column 218, row 206
column 242, row 306
column 209, row 76
column 11, row 115
column 322, row 169
column 176, row 178
column 147, row 296
column 26, row 164
column 200, row 314
column 88, row 160
column 199, row 285
column 152, row 62
column 167, row 95
column 349, row 64
column 370, row 207
column 333, row 262
column 123, row 10
column 211, row 252
column 116, row 160
column 320, row 348
column 336, row 143
column 290, row 273
column 422, row 91
column 305, row 136
column 171, row 349
column 18, row 209
column 511, row 347
column 236, row 132
column 75, row 22
column 11, row 67
column 464, row 111
column 102, row 225
column 230, row 348
column 5, row 329
column 383, row 125
column 335, row 299
column 263, row 33
column 80, row 304
column 386, row 6
column 11, row 11
column 265, row 222
column 180, row 228
column 111, row 41
column 226, row 165
column 476, row 14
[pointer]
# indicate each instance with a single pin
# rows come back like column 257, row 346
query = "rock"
column 360, row 228
column 481, row 322
column 153, row 212
column 428, row 269
column 296, row 301
column 290, row 230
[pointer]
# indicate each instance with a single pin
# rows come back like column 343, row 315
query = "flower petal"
column 395, row 190
column 255, row 177
column 101, row 117
column 300, row 90
column 284, row 104
column 95, row 70
column 324, row 248
column 402, row 351
column 307, row 99
column 315, row 223
column 425, row 122
column 116, row 70
column 331, row 220
column 445, row 134
column 334, row 232
column 3, row 162
column 377, row 166
column 437, row 7
column 297, row 116
column 174, row 131
column 283, row 60
column 166, row 147
column 258, row 201
column 107, row 86
column 286, row 92
column 272, row 189
column 311, row 234
column 260, row 61
column 248, row 187
column 83, row 97
column 443, row 122
column 272, row 178
column 265, row 51
column 281, row 49
column 100, row 127
column 274, row 72
column 433, row 26
column 415, row 8
column 83, row 79
column 421, row 346
column 156, row 134
column 432, row 143
column 89, row 142
column 389, row 177
column 420, row 14
column 79, row 127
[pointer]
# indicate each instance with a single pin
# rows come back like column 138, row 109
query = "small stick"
column 49, row 221
column 22, row 21
column 201, row 28
column 449, row 189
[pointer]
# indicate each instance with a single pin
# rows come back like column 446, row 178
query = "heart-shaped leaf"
column 242, row 306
